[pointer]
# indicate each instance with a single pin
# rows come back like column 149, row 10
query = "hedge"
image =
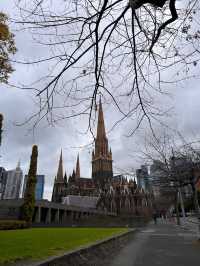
column 13, row 224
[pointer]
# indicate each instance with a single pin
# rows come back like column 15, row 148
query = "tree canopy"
column 7, row 48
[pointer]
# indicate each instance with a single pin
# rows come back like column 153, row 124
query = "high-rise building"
column 39, row 189
column 13, row 183
column 158, row 172
column 102, row 170
column 2, row 181
column 143, row 177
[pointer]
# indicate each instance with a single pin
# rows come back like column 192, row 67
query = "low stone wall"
column 48, row 213
column 102, row 221
column 96, row 254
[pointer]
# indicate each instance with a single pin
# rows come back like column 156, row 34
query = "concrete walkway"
column 163, row 244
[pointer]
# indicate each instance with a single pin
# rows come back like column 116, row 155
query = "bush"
column 13, row 224
column 27, row 208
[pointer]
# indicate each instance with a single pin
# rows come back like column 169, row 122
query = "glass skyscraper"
column 39, row 189
column 13, row 183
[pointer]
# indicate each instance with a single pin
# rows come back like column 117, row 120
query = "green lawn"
column 39, row 243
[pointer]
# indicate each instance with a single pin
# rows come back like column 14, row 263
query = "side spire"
column 60, row 168
column 77, row 167
column 65, row 177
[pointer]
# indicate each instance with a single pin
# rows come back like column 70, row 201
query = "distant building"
column 143, row 178
column 2, row 181
column 39, row 189
column 13, row 183
column 80, row 201
column 184, row 171
column 158, row 174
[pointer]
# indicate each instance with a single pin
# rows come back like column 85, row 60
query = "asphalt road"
column 162, row 244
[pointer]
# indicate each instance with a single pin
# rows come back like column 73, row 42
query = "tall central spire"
column 101, row 156
column 60, row 169
column 101, row 133
column 101, row 142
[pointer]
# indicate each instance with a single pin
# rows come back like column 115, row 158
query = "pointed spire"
column 65, row 177
column 73, row 176
column 77, row 167
column 18, row 165
column 100, row 127
column 60, row 169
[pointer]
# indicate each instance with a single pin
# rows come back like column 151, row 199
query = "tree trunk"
column 177, row 210
column 196, row 205
column 182, row 204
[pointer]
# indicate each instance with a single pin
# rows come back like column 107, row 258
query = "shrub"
column 27, row 208
column 13, row 224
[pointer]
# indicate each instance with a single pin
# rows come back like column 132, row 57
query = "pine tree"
column 27, row 209
column 1, row 126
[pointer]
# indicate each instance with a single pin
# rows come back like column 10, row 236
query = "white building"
column 80, row 201
column 14, row 180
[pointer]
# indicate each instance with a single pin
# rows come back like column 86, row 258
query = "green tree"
column 7, row 48
column 29, row 196
column 1, row 125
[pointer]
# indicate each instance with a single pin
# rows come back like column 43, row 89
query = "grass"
column 40, row 243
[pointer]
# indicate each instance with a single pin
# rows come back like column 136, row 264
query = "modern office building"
column 13, row 183
column 39, row 189
column 2, row 181
column 143, row 178
column 158, row 173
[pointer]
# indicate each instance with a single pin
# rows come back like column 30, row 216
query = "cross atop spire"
column 101, row 133
column 77, row 167
column 60, row 169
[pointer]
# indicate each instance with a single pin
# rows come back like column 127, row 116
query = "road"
column 162, row 244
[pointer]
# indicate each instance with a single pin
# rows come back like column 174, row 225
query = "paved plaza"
column 163, row 244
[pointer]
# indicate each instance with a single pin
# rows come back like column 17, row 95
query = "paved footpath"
column 162, row 244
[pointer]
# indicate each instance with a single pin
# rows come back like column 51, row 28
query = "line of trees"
column 177, row 167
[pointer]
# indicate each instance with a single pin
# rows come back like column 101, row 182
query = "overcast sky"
column 17, row 105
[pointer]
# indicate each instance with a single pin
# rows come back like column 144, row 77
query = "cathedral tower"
column 59, row 183
column 101, row 156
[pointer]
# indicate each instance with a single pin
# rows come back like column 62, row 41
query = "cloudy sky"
column 17, row 105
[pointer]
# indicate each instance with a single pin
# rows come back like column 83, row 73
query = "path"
column 162, row 244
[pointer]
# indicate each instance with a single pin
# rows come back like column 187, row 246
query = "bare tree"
column 178, row 166
column 117, row 48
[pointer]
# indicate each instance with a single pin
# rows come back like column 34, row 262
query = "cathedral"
column 115, row 193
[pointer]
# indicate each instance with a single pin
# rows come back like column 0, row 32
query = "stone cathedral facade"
column 115, row 193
